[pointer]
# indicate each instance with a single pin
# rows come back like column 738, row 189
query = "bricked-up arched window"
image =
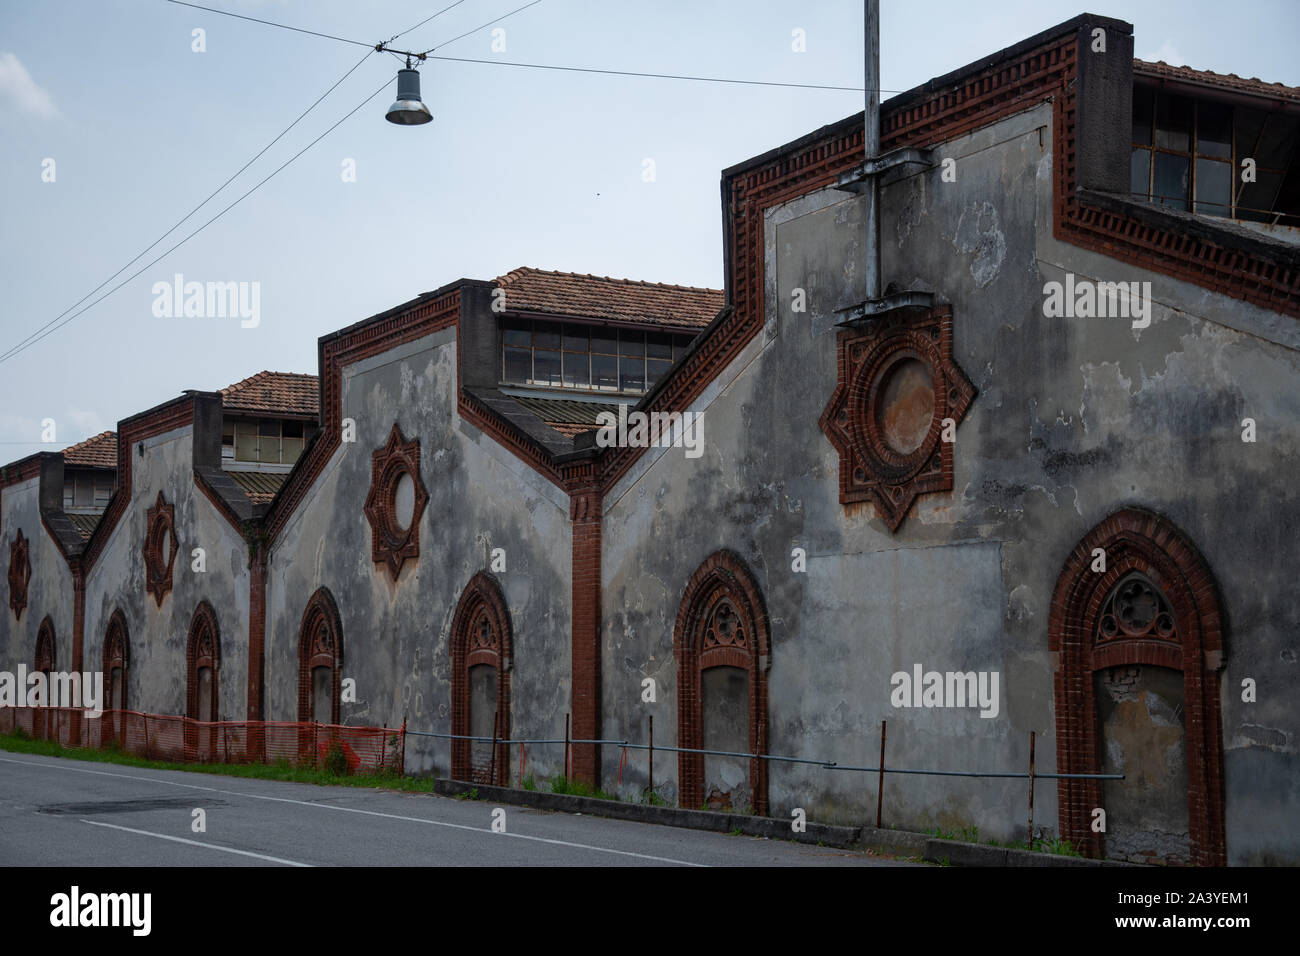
column 481, row 641
column 117, row 658
column 320, row 660
column 202, row 664
column 116, row 663
column 44, row 662
column 721, row 624
column 1154, row 607
column 45, row 659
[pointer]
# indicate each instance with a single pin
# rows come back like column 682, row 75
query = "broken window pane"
column 1142, row 116
column 1214, row 130
column 1170, row 186
column 546, row 367
column 1213, row 187
column 518, row 365
column 1140, row 173
column 1173, row 123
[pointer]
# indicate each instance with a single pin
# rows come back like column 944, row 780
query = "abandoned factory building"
column 1069, row 478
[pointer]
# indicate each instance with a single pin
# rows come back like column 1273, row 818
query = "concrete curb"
column 957, row 853
column 775, row 829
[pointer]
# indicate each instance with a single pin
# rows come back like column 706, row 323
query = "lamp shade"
column 408, row 110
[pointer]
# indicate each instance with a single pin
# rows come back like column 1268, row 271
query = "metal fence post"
column 492, row 761
column 652, row 757
column 1031, row 790
column 880, row 777
column 566, row 746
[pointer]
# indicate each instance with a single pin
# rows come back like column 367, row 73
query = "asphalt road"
column 56, row 812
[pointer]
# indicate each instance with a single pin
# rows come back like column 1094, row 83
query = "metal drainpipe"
column 871, row 146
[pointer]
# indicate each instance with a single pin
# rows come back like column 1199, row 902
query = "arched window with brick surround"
column 1138, row 651
column 45, row 661
column 481, row 642
column 320, row 660
column 202, row 663
column 722, row 648
column 116, row 661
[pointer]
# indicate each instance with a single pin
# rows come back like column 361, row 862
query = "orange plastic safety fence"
column 182, row 740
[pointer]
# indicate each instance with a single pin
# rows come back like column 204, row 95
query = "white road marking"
column 372, row 813
column 210, row 846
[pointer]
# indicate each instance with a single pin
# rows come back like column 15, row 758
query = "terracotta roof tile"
column 97, row 452
column 1227, row 81
column 600, row 297
column 286, row 393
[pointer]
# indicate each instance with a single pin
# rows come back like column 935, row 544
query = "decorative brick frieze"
column 1139, row 546
column 897, row 385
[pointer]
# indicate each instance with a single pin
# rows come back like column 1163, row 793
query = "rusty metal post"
column 492, row 761
column 566, row 746
column 880, row 777
column 652, row 754
column 871, row 147
column 1031, row 790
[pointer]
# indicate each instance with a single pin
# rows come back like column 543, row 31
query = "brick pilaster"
column 585, row 514
column 256, row 638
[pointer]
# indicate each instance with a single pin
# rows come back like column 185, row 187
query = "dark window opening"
column 1189, row 154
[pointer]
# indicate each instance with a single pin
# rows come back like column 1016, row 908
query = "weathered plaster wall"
column 158, row 635
column 1074, row 419
column 49, row 591
column 395, row 636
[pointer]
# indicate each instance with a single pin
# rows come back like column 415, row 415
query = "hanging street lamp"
column 408, row 109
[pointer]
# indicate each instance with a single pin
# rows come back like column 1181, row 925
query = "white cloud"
column 18, row 87
column 1167, row 52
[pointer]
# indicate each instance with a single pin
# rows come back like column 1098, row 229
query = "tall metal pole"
column 871, row 146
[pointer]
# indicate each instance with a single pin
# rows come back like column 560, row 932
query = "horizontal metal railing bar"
column 824, row 764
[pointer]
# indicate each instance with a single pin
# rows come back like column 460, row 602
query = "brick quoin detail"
column 320, row 644
column 256, row 633
column 480, row 634
column 722, row 577
column 1138, row 540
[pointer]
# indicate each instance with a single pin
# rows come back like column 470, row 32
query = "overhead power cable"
column 424, row 21
column 387, row 82
column 272, row 23
column 18, row 346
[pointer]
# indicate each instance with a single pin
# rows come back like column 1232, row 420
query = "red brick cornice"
column 177, row 413
column 424, row 317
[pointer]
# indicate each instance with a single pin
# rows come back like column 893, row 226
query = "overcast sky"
column 520, row 166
